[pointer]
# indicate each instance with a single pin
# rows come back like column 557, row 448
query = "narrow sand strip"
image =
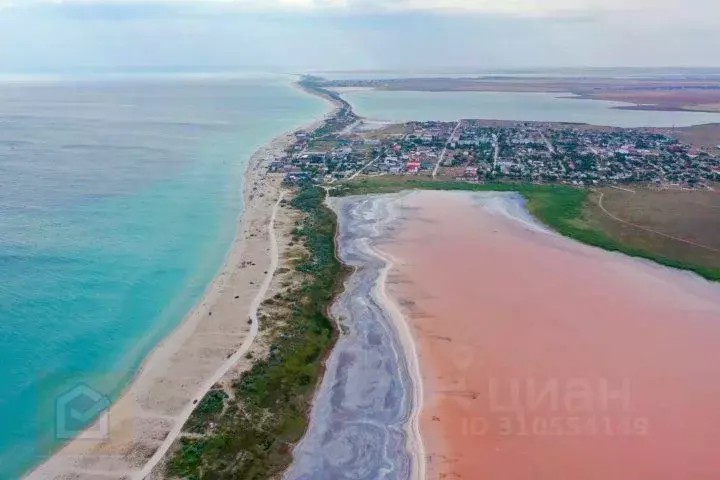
column 211, row 341
column 416, row 447
column 232, row 361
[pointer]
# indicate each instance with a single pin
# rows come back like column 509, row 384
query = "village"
column 483, row 151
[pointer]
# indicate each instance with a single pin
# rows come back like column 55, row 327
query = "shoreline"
column 633, row 103
column 416, row 445
column 139, row 416
column 556, row 206
column 687, row 133
column 364, row 420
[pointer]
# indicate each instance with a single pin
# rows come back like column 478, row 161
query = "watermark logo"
column 549, row 407
column 82, row 411
column 574, row 395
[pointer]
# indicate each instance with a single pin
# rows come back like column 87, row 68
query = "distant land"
column 687, row 91
column 648, row 192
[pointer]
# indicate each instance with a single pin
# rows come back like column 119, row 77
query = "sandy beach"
column 208, row 346
column 542, row 358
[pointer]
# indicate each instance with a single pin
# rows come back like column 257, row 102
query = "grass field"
column 574, row 212
column 679, row 224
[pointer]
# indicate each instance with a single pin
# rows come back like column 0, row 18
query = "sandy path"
column 365, row 167
column 232, row 361
column 444, row 151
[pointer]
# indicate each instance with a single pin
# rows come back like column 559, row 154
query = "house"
column 412, row 167
column 296, row 177
column 314, row 157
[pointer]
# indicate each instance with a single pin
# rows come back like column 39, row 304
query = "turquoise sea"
column 118, row 202
column 402, row 106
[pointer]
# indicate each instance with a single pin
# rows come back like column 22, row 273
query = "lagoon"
column 405, row 106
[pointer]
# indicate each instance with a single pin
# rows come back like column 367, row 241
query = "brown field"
column 703, row 136
column 681, row 225
column 706, row 107
column 667, row 99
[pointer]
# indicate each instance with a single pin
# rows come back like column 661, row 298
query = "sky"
column 307, row 35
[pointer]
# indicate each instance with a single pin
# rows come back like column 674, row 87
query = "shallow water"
column 402, row 106
column 118, row 201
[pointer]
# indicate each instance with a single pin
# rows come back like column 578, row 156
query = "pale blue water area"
column 118, row 202
column 403, row 106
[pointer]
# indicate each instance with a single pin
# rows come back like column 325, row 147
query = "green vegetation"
column 209, row 409
column 252, row 436
column 560, row 207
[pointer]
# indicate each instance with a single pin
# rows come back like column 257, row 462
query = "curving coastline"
column 364, row 421
column 212, row 339
column 415, row 444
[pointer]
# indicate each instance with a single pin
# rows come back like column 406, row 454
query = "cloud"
column 515, row 7
column 630, row 13
column 669, row 14
column 357, row 34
